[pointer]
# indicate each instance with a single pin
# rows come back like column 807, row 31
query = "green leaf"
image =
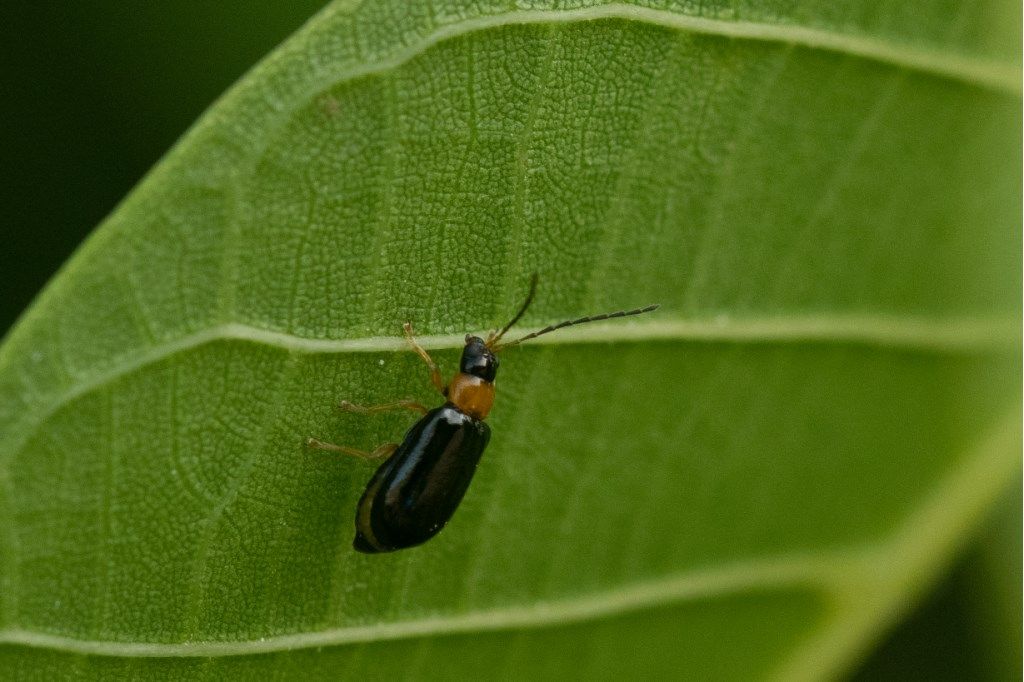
column 751, row 482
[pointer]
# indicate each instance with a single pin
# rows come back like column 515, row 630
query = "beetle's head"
column 478, row 360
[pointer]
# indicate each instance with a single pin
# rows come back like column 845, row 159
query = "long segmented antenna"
column 496, row 336
column 582, row 320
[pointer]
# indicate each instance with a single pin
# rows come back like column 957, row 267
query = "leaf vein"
column 817, row 572
column 957, row 336
column 976, row 71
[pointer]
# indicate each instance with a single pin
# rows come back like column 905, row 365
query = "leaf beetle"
column 421, row 481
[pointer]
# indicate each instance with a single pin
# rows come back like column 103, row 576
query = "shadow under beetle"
column 417, row 488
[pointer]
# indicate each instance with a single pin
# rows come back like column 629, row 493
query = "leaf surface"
column 749, row 483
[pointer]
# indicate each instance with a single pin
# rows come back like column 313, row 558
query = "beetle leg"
column 379, row 453
column 405, row 403
column 383, row 451
column 435, row 373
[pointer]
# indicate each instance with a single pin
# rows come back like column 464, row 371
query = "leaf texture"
column 825, row 199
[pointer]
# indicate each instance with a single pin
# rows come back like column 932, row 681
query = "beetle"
column 422, row 480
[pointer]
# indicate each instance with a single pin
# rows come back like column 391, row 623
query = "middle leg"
column 403, row 404
column 379, row 453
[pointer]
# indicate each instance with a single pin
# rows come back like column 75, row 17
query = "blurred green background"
column 96, row 91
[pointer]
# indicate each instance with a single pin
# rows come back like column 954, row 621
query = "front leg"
column 435, row 373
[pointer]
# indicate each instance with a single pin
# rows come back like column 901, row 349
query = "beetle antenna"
column 582, row 320
column 496, row 336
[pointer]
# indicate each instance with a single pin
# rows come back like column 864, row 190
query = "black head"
column 478, row 360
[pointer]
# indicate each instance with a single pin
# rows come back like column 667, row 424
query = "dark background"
column 95, row 91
